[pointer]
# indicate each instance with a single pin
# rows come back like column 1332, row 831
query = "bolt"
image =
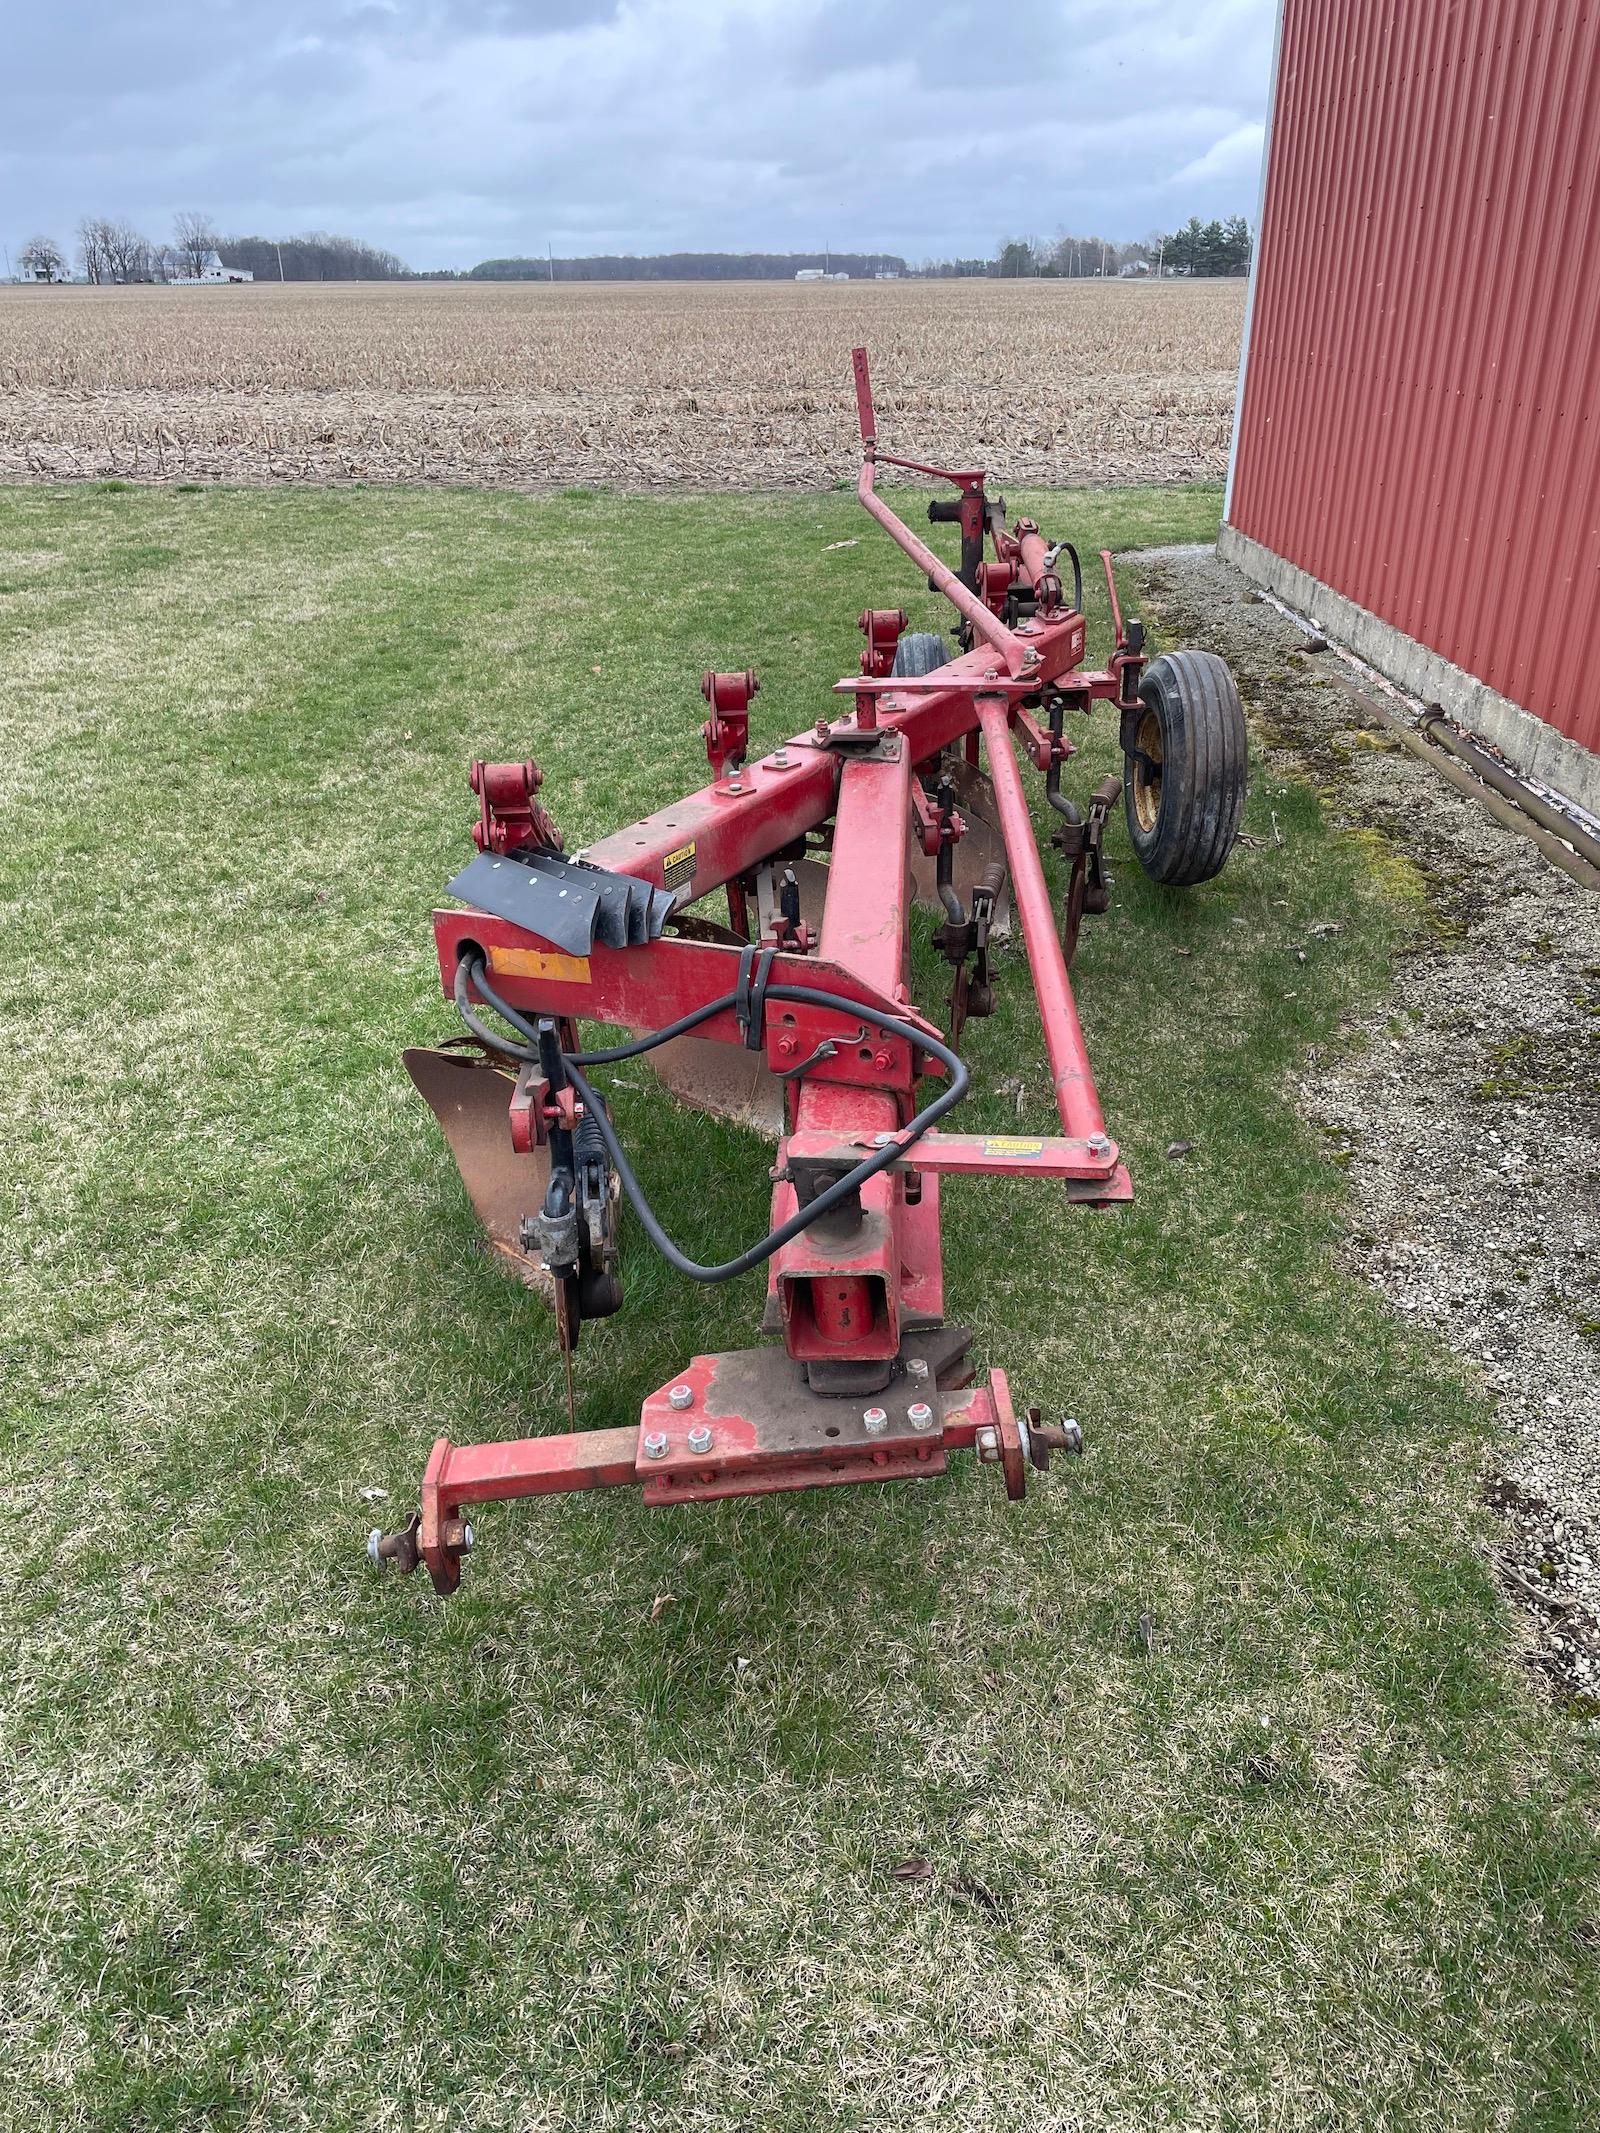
column 883, row 1060
column 787, row 1047
column 916, row 1366
column 987, row 1442
column 700, row 1438
column 781, row 760
column 655, row 1445
column 467, row 1538
column 376, row 1534
column 919, row 1414
column 680, row 1397
column 1099, row 1144
column 884, row 1140
column 874, row 1421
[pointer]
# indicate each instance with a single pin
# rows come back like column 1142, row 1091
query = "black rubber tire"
column 1183, row 820
column 921, row 652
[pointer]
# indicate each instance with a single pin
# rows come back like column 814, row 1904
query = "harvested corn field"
column 523, row 385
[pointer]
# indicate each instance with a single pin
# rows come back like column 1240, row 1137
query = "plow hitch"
column 786, row 1005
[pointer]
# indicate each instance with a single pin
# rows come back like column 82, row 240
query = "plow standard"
column 793, row 1014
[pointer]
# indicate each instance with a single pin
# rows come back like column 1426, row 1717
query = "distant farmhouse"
column 817, row 274
column 211, row 271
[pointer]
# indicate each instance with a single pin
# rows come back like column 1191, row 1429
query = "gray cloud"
column 452, row 129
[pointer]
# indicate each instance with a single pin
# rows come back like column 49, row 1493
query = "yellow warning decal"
column 1002, row 1145
column 678, row 866
column 536, row 963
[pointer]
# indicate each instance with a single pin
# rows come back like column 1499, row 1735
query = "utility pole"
column 279, row 250
column 1102, row 259
column 1160, row 256
column 550, row 249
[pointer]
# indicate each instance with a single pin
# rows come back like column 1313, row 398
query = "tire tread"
column 1204, row 765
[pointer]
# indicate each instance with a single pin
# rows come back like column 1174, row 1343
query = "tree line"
column 110, row 250
column 688, row 266
column 114, row 251
column 1197, row 249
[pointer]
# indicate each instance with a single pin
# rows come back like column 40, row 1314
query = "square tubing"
column 831, row 1288
column 1070, row 1072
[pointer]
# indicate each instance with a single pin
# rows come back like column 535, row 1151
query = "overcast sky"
column 451, row 130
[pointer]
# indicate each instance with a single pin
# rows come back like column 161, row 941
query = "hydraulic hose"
column 849, row 1182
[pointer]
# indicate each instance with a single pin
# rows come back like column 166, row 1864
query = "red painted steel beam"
column 1018, row 1155
column 533, row 1466
column 830, row 1288
column 987, row 624
column 725, row 829
column 648, row 987
column 864, row 920
column 1070, row 1071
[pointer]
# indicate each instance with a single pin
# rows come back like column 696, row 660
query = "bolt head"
column 468, row 1537
column 919, row 1414
column 1099, row 1144
column 680, row 1397
column 874, row 1421
column 987, row 1442
column 373, row 1539
column 655, row 1445
column 916, row 1366
column 700, row 1438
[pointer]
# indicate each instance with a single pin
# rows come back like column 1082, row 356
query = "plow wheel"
column 1185, row 752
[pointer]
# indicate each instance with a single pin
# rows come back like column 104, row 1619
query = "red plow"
column 792, row 1013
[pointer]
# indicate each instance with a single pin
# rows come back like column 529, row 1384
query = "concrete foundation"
column 1534, row 748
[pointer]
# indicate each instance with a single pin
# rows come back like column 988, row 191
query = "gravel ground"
column 1467, row 1110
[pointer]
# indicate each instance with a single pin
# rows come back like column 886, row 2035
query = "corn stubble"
column 524, row 385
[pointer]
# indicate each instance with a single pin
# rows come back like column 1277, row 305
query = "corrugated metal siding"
column 1420, row 419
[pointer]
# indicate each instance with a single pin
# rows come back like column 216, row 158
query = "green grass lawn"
column 1203, row 1790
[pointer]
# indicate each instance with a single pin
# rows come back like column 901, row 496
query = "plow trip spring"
column 789, row 1011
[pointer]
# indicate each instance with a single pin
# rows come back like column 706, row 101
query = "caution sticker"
column 539, row 963
column 678, row 866
column 1003, row 1145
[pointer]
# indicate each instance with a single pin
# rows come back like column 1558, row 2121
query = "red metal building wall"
column 1420, row 421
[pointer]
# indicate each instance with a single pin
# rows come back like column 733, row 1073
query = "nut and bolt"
column 919, row 1414
column 700, row 1438
column 916, row 1366
column 884, row 1140
column 883, row 1059
column 788, row 1046
column 874, row 1421
column 1099, row 1144
column 680, row 1397
column 987, row 1443
column 655, row 1445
